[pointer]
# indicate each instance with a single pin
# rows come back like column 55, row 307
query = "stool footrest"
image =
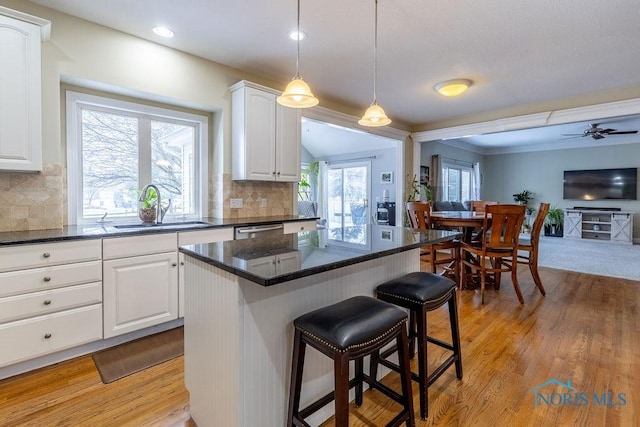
column 440, row 343
column 323, row 401
column 383, row 389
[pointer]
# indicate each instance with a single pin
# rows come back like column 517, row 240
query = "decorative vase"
column 147, row 215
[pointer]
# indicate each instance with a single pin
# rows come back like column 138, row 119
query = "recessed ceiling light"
column 453, row 87
column 163, row 31
column 297, row 35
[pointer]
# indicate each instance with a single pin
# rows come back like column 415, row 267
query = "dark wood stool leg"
column 405, row 376
column 341, row 376
column 297, row 364
column 455, row 333
column 412, row 334
column 423, row 382
column 373, row 365
column 359, row 377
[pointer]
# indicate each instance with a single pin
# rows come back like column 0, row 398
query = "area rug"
column 128, row 358
column 592, row 257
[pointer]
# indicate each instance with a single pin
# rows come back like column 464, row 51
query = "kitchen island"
column 241, row 299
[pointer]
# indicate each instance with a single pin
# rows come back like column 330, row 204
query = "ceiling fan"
column 596, row 132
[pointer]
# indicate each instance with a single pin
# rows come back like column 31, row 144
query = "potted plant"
column 554, row 222
column 147, row 211
column 523, row 197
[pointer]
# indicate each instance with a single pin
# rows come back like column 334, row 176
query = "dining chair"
column 484, row 259
column 480, row 205
column 528, row 247
column 420, row 217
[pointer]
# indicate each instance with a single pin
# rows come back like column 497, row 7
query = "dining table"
column 467, row 221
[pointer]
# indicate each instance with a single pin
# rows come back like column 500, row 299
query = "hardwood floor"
column 586, row 331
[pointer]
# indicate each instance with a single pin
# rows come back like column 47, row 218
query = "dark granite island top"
column 311, row 252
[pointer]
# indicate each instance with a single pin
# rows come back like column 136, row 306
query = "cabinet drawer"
column 44, row 302
column 41, row 255
column 295, row 227
column 205, row 236
column 25, row 339
column 122, row 247
column 39, row 279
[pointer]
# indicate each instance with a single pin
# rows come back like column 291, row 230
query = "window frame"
column 445, row 180
column 76, row 101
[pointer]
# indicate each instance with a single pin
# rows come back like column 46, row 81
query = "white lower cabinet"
column 139, row 291
column 50, row 298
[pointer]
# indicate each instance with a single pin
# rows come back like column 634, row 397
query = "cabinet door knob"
column 174, row 264
column 47, row 336
column 274, row 172
column 182, row 263
column 47, row 279
column 301, row 228
column 47, row 302
column 46, row 255
column 278, row 173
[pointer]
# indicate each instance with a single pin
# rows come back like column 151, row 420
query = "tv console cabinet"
column 603, row 225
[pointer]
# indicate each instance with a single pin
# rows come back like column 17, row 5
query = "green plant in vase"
column 148, row 206
column 553, row 223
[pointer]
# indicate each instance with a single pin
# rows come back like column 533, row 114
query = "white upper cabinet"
column 265, row 135
column 20, row 91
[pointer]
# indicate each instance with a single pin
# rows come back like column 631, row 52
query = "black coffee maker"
column 386, row 213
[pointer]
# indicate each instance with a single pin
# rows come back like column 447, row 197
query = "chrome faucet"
column 159, row 211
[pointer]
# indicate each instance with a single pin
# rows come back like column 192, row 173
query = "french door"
column 348, row 194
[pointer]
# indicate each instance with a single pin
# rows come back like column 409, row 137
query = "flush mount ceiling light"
column 453, row 87
column 375, row 115
column 163, row 32
column 297, row 94
column 297, row 35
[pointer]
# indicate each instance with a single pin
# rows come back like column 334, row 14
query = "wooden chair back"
column 538, row 223
column 480, row 205
column 419, row 214
column 505, row 223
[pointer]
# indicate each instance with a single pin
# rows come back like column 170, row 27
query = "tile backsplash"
column 32, row 201
column 37, row 201
column 278, row 195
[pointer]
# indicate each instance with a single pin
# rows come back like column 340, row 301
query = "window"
column 457, row 183
column 114, row 148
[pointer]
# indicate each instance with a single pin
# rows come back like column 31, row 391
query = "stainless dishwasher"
column 253, row 231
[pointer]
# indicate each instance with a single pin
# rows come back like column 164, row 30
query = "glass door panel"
column 349, row 188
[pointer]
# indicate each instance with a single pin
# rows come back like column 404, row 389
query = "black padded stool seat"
column 421, row 292
column 350, row 330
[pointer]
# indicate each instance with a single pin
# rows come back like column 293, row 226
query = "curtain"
column 323, row 206
column 436, row 174
column 477, row 183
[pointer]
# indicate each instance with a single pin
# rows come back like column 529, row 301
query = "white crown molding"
column 599, row 111
column 45, row 25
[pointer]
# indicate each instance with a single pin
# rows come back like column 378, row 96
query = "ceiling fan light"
column 453, row 87
column 297, row 94
column 374, row 116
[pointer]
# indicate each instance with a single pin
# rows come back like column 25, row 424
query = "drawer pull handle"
column 47, row 278
column 46, row 255
column 174, row 264
column 47, row 302
column 47, row 336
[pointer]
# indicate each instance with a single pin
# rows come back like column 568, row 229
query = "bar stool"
column 421, row 292
column 350, row 330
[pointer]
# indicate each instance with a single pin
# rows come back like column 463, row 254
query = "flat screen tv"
column 599, row 184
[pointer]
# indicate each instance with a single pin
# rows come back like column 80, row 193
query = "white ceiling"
column 517, row 53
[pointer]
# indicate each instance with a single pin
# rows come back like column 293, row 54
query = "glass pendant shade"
column 374, row 116
column 297, row 94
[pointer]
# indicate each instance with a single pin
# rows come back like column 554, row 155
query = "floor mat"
column 128, row 358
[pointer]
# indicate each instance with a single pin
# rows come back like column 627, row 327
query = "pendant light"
column 375, row 116
column 297, row 94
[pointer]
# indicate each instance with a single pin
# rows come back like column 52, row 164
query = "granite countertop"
column 109, row 229
column 310, row 252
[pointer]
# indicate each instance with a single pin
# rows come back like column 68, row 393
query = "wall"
column 542, row 173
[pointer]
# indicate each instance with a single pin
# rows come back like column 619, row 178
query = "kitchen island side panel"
column 259, row 357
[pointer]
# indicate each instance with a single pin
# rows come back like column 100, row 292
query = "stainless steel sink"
column 164, row 225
